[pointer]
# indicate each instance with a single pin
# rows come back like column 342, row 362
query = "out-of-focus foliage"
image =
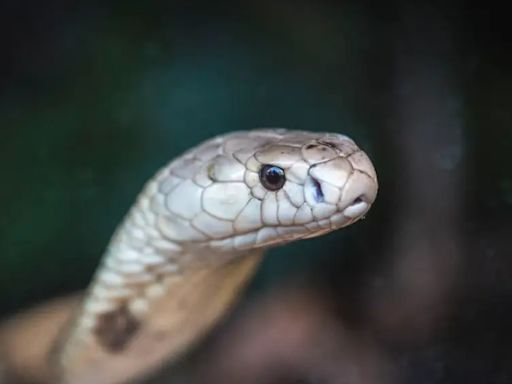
column 95, row 97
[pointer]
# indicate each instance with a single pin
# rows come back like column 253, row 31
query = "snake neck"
column 151, row 298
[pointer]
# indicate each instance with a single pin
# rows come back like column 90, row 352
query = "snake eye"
column 272, row 177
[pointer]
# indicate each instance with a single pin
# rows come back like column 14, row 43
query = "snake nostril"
column 319, row 194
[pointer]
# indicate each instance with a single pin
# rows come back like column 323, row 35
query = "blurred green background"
column 95, row 97
column 103, row 95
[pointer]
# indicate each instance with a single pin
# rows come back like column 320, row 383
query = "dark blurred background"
column 94, row 97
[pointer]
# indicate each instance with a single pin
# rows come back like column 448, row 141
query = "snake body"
column 195, row 235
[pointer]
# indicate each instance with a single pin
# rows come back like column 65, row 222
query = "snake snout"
column 358, row 195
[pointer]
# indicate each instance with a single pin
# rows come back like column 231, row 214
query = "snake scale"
column 191, row 241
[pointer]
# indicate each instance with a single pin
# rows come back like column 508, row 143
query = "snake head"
column 261, row 188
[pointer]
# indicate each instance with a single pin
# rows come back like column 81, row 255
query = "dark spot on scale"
column 311, row 146
column 328, row 144
column 116, row 328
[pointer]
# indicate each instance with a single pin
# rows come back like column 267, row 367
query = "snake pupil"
column 272, row 177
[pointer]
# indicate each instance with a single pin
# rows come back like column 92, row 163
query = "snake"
column 192, row 240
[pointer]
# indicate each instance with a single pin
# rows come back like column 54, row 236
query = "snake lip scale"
column 194, row 237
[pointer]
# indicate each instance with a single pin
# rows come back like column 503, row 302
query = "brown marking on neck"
column 116, row 328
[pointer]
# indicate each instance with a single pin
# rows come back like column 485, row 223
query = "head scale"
column 254, row 189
